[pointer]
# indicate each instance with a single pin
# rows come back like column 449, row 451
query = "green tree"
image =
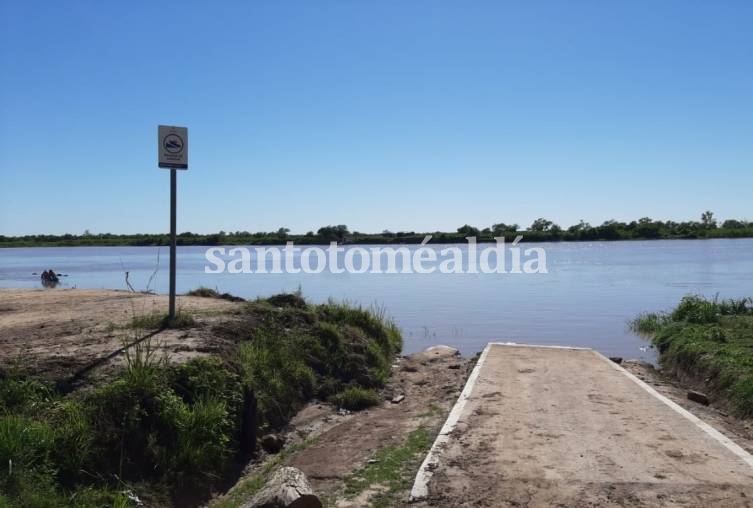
column 648, row 228
column 541, row 225
column 338, row 232
column 467, row 230
column 580, row 227
column 708, row 220
column 502, row 228
column 734, row 224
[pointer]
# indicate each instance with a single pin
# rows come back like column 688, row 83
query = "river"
column 590, row 291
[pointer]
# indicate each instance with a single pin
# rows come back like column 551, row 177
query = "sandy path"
column 558, row 427
column 57, row 331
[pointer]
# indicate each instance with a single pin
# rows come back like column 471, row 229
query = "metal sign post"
column 172, row 149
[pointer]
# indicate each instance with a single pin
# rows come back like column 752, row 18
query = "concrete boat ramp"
column 550, row 426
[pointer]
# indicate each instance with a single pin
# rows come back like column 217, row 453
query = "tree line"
column 541, row 230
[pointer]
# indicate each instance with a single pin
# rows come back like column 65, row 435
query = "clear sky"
column 418, row 115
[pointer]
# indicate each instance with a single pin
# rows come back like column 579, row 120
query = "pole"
column 173, row 202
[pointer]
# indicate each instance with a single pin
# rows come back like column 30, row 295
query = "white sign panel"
column 172, row 147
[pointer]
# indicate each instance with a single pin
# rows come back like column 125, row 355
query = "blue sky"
column 418, row 115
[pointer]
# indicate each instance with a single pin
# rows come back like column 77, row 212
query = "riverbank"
column 541, row 230
column 104, row 406
column 707, row 344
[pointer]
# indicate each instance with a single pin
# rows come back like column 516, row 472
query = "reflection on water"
column 590, row 292
column 50, row 283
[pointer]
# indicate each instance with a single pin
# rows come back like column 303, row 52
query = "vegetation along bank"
column 707, row 344
column 170, row 433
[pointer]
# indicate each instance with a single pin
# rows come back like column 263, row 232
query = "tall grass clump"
column 356, row 398
column 648, row 323
column 45, row 443
column 174, row 427
column 290, row 351
column 275, row 369
column 707, row 342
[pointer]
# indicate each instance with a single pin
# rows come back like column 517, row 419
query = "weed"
column 391, row 467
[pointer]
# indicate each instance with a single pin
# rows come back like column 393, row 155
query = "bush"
column 204, row 292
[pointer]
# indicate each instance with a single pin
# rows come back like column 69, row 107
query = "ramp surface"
column 540, row 426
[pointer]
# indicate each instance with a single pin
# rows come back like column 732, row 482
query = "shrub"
column 204, row 292
column 287, row 300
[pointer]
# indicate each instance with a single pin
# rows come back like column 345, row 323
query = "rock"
column 272, row 443
column 616, row 359
column 398, row 399
column 288, row 488
column 454, row 366
column 435, row 353
column 699, row 397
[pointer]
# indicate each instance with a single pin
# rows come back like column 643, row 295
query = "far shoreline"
column 413, row 240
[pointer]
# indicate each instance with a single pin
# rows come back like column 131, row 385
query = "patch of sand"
column 57, row 332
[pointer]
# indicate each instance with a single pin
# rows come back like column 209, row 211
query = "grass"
column 391, row 468
column 708, row 341
column 174, row 430
column 157, row 321
column 44, row 443
column 356, row 398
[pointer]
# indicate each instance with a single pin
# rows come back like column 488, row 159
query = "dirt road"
column 566, row 427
